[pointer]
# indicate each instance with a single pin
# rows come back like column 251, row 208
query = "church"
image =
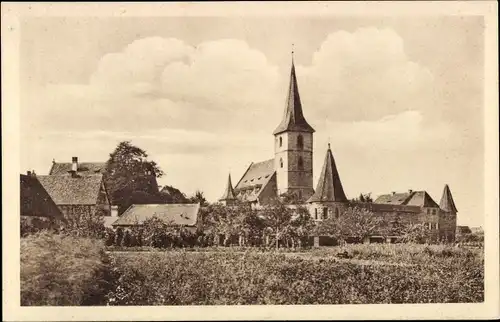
column 290, row 173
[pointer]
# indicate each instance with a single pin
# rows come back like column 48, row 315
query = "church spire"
column 447, row 204
column 329, row 187
column 293, row 118
column 229, row 194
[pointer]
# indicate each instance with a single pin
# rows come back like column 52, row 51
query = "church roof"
column 254, row 180
column 447, row 203
column 329, row 187
column 413, row 198
column 229, row 192
column 293, row 119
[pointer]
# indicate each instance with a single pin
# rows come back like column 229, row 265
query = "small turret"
column 229, row 197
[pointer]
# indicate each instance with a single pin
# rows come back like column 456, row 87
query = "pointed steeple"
column 447, row 204
column 229, row 191
column 329, row 187
column 293, row 118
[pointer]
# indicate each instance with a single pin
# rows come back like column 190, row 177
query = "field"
column 385, row 273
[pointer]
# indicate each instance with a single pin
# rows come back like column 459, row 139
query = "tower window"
column 301, row 164
column 281, row 141
column 281, row 163
column 300, row 142
column 337, row 213
column 325, row 213
column 315, row 213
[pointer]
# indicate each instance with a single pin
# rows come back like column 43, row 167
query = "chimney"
column 114, row 211
column 28, row 173
column 393, row 193
column 410, row 191
column 74, row 165
column 33, row 173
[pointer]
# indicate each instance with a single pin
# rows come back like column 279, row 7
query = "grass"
column 423, row 274
column 57, row 270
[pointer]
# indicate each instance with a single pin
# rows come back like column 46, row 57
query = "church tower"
column 293, row 147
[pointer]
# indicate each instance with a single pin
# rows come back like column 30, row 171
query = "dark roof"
column 329, row 187
column 35, row 200
column 175, row 214
column 84, row 168
column 293, row 119
column 257, row 176
column 68, row 190
column 447, row 203
column 229, row 191
column 414, row 198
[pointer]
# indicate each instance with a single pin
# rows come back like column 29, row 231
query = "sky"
column 399, row 99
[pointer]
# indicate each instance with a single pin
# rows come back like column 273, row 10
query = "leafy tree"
column 363, row 198
column 173, row 195
column 199, row 197
column 119, row 236
column 358, row 223
column 277, row 218
column 302, row 225
column 131, row 178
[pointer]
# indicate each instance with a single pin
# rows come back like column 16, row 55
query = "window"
column 433, row 211
column 300, row 142
column 281, row 163
column 315, row 213
column 325, row 213
column 337, row 213
column 281, row 141
column 301, row 164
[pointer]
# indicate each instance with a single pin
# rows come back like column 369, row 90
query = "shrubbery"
column 64, row 270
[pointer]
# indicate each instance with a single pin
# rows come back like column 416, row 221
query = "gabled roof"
column 329, row 188
column 421, row 199
column 293, row 118
column 229, row 191
column 174, row 214
column 35, row 200
column 257, row 176
column 84, row 168
column 414, row 198
column 447, row 203
column 68, row 190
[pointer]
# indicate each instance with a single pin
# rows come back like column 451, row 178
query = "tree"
column 359, row 223
column 173, row 195
column 277, row 218
column 302, row 225
column 363, row 198
column 199, row 197
column 131, row 178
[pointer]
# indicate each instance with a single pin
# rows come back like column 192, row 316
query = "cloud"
column 364, row 75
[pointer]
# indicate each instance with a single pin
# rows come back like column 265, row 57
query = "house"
column 176, row 215
column 78, row 194
column 36, row 203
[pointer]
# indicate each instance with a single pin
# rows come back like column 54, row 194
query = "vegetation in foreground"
column 65, row 270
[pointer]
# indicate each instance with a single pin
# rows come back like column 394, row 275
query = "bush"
column 64, row 270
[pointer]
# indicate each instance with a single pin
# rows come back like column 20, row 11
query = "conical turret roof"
column 293, row 118
column 329, row 187
column 447, row 203
column 229, row 191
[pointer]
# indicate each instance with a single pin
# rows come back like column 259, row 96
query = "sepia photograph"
column 253, row 156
